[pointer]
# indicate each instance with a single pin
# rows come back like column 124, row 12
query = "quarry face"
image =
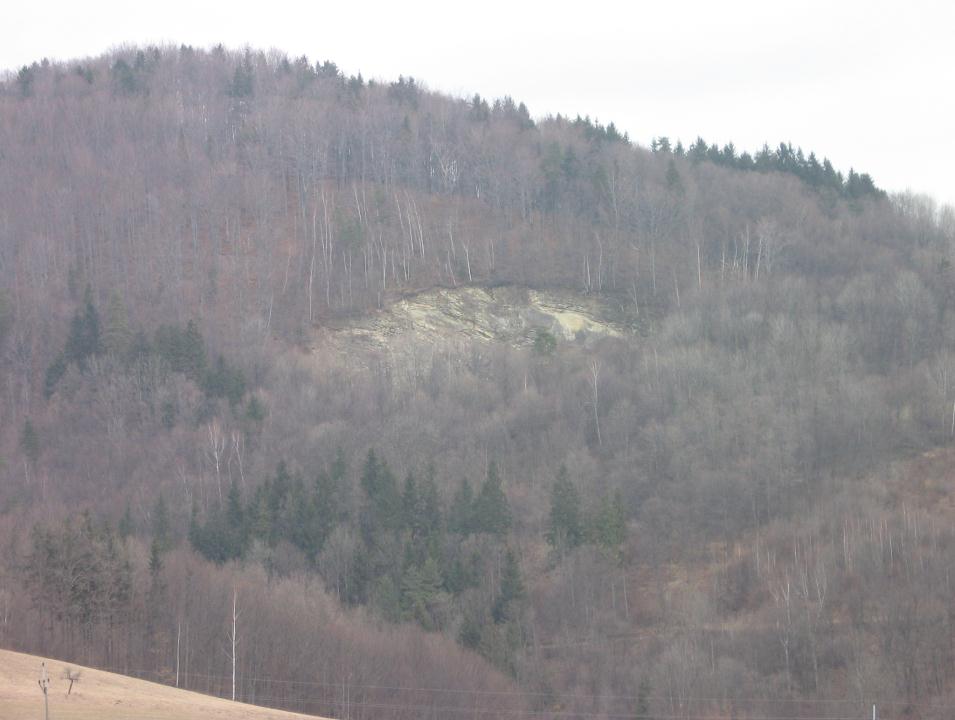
column 458, row 316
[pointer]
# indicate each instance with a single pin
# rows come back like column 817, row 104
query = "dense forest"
column 736, row 506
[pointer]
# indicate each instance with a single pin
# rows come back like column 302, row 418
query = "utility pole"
column 44, row 683
column 233, row 637
column 873, row 712
column 178, row 637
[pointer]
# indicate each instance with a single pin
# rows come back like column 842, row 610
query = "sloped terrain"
column 465, row 408
column 108, row 696
column 449, row 316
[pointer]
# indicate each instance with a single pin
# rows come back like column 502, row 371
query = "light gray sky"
column 870, row 84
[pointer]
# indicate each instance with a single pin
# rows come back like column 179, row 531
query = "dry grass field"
column 107, row 696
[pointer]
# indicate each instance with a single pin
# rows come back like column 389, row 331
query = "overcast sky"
column 870, row 84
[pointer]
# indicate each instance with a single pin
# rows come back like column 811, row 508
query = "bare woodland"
column 725, row 512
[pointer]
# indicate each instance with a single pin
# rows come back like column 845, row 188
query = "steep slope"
column 458, row 316
column 665, row 386
column 109, row 696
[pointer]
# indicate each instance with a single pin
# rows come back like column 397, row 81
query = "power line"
column 507, row 712
column 518, row 693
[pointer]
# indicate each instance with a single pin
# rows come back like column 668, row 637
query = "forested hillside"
column 731, row 503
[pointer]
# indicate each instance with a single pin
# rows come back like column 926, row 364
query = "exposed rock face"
column 451, row 316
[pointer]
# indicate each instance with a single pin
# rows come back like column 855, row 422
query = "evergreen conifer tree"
column 193, row 351
column 609, row 530
column 236, row 522
column 92, row 342
column 30, row 442
column 461, row 513
column 6, row 316
column 565, row 531
column 410, row 509
column 116, row 335
column 432, row 515
column 125, row 527
column 384, row 502
column 360, row 575
column 161, row 526
column 54, row 373
column 512, row 588
column 674, row 181
column 491, row 511
column 643, row 699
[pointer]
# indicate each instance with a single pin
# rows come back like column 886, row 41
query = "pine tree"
column 91, row 325
column 277, row 491
column 324, row 512
column 25, row 77
column 341, row 491
column 698, row 150
column 387, row 599
column 512, row 589
column 674, row 181
column 459, row 576
column 609, row 527
column 193, row 352
column 161, row 527
column 420, row 586
column 524, row 117
column 432, row 515
column 470, row 633
column 384, row 503
column 155, row 559
column 124, row 78
column 195, row 530
column 54, row 374
column 359, row 578
column 480, row 111
column 255, row 410
column 565, row 531
column 116, row 335
column 461, row 514
column 125, row 527
column 660, row 144
column 545, row 342
column 410, row 508
column 491, row 511
column 139, row 347
column 224, row 381
column 30, row 443
column 242, row 79
column 236, row 522
column 370, row 474
column 643, row 700
column 6, row 316
column 260, row 518
column 75, row 350
column 84, row 338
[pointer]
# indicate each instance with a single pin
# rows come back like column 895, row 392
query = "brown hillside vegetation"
column 466, row 409
column 99, row 695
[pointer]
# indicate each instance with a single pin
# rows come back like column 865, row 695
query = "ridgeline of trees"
column 821, row 176
column 713, row 512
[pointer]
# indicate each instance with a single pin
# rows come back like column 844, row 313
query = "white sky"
column 870, row 84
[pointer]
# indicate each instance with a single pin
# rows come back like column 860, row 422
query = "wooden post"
column 44, row 683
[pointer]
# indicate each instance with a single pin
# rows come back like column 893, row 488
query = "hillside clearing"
column 109, row 696
column 446, row 316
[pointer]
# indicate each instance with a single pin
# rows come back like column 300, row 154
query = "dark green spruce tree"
column 492, row 514
column 565, row 530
